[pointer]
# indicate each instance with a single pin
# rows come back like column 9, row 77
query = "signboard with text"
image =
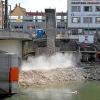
column 86, row 38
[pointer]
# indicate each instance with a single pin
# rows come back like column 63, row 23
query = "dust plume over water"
column 45, row 70
column 44, row 62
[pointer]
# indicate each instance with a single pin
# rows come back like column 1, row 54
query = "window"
column 97, row 8
column 75, row 19
column 36, row 20
column 97, row 20
column 40, row 20
column 58, row 20
column 39, row 17
column 60, row 27
column 76, row 9
column 58, row 17
column 21, row 27
column 65, row 17
column 14, row 17
column 16, row 27
column 87, row 19
column 88, row 8
column 43, row 20
column 74, row 32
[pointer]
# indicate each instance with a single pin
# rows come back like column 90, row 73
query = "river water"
column 66, row 91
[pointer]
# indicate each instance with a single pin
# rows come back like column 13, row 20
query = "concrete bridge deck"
column 5, row 34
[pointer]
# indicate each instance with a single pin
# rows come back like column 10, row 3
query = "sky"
column 40, row 5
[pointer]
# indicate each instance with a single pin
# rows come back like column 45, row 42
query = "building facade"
column 84, row 16
column 1, row 14
column 36, row 20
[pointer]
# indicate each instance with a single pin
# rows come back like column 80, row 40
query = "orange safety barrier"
column 14, row 74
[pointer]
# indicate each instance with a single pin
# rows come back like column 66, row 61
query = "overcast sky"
column 40, row 5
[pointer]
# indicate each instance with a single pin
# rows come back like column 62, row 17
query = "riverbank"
column 92, row 72
column 44, row 77
column 35, row 78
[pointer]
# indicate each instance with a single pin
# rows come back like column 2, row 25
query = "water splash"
column 43, row 62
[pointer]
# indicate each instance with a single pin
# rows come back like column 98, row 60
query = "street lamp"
column 2, row 2
column 9, row 16
column 88, row 27
column 6, row 15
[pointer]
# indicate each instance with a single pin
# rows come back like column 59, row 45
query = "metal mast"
column 6, row 15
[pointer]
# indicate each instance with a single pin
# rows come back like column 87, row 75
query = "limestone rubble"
column 44, row 77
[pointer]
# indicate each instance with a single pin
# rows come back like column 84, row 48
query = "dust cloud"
column 43, row 62
column 45, row 70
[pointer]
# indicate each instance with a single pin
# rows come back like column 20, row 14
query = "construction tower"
column 50, row 30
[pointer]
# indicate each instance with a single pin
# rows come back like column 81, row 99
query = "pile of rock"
column 45, row 77
column 92, row 73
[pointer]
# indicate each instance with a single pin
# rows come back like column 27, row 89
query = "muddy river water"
column 66, row 91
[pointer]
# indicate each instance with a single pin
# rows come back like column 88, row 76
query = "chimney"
column 16, row 4
column 19, row 4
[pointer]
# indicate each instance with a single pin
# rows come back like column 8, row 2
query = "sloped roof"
column 43, row 13
column 21, row 8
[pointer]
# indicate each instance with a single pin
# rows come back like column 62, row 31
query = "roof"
column 43, row 13
column 21, row 8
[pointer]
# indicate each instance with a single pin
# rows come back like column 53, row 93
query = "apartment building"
column 36, row 20
column 84, row 16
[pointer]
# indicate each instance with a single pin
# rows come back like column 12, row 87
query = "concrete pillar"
column 50, row 30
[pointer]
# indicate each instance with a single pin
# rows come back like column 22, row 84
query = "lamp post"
column 6, row 15
column 2, row 2
column 9, row 17
column 88, row 27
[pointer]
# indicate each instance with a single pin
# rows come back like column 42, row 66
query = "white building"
column 85, row 15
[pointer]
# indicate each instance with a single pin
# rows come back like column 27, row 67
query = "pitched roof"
column 43, row 13
column 21, row 8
